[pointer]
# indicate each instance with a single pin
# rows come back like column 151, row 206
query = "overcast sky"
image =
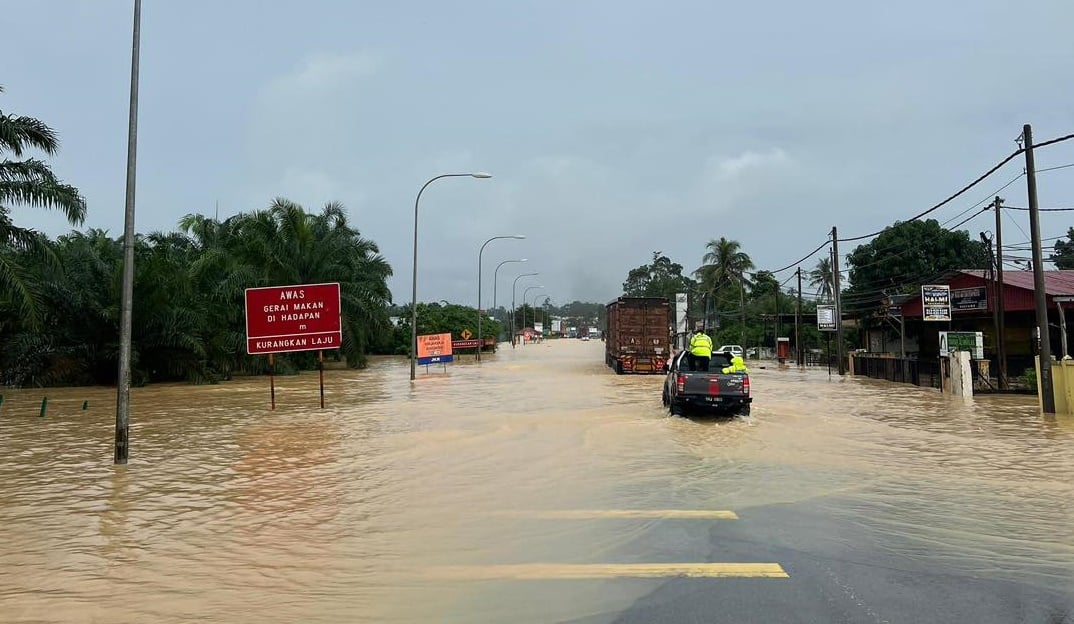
column 613, row 129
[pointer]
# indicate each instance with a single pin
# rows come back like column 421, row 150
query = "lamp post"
column 496, row 279
column 414, row 291
column 524, row 294
column 513, row 287
column 535, row 298
column 481, row 338
column 126, row 297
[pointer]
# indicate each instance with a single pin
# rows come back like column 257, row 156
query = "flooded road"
column 536, row 487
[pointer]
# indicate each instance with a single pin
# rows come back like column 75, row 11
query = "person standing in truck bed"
column 700, row 351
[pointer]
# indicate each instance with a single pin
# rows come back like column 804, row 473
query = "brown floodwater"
column 397, row 502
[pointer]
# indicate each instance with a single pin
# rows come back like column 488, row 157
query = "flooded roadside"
column 230, row 512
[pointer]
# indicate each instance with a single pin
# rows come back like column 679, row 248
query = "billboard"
column 302, row 317
column 936, row 302
column 434, row 349
column 826, row 318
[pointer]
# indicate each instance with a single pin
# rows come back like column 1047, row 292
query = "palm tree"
column 28, row 182
column 822, row 278
column 292, row 246
column 725, row 267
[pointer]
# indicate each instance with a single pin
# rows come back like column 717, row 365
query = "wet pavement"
column 535, row 487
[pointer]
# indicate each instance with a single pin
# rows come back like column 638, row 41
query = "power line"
column 987, row 198
column 1041, row 209
column 1016, row 224
column 971, row 184
column 949, row 199
column 804, row 258
column 971, row 217
column 1058, row 140
column 1055, row 168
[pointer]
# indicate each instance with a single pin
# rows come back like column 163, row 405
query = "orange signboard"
column 434, row 348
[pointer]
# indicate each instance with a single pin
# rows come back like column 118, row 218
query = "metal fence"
column 918, row 372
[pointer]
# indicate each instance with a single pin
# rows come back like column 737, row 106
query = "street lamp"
column 513, row 286
column 535, row 298
column 479, row 314
column 524, row 294
column 126, row 295
column 496, row 279
column 414, row 291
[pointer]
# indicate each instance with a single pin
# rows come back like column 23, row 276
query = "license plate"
column 712, row 399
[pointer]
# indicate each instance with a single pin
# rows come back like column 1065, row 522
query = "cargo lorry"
column 637, row 338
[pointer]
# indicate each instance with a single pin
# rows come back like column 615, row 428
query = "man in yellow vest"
column 700, row 351
column 738, row 366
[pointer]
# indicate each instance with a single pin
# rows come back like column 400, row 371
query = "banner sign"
column 826, row 318
column 969, row 299
column 434, row 349
column 936, row 302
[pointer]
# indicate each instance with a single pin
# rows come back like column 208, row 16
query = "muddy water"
column 364, row 511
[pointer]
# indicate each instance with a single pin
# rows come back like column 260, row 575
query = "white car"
column 732, row 349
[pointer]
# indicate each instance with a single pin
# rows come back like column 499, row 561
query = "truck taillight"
column 746, row 386
column 680, row 382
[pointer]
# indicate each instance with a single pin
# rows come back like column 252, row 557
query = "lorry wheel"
column 618, row 367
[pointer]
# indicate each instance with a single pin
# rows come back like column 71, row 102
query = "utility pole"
column 126, row 302
column 1001, row 309
column 1046, row 394
column 842, row 365
column 798, row 322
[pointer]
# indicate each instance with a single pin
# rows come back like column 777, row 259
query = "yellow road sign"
column 466, row 334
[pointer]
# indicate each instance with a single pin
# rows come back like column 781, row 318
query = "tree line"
column 59, row 299
column 739, row 304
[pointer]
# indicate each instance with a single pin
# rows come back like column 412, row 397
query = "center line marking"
column 596, row 514
column 551, row 571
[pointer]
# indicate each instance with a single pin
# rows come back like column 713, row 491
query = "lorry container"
column 637, row 338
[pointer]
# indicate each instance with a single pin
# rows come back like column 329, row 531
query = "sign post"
column 302, row 317
column 272, row 378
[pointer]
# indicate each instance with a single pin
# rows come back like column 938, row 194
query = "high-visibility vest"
column 701, row 345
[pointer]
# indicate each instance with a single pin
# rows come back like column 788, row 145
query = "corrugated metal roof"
column 1055, row 282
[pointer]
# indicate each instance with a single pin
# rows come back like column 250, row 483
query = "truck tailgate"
column 714, row 384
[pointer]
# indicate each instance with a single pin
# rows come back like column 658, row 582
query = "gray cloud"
column 612, row 129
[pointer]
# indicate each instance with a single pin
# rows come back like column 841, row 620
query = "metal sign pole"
column 320, row 372
column 272, row 378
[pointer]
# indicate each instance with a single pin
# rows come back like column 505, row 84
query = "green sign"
column 973, row 342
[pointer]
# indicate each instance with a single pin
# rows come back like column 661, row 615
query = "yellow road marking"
column 596, row 514
column 551, row 571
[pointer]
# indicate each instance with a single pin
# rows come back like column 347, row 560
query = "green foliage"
column 662, row 278
column 188, row 297
column 438, row 319
column 1064, row 252
column 823, row 279
column 1029, row 378
column 904, row 256
column 28, row 182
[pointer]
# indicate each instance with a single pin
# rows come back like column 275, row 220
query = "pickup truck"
column 709, row 391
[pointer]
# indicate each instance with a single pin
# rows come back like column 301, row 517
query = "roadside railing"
column 924, row 373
